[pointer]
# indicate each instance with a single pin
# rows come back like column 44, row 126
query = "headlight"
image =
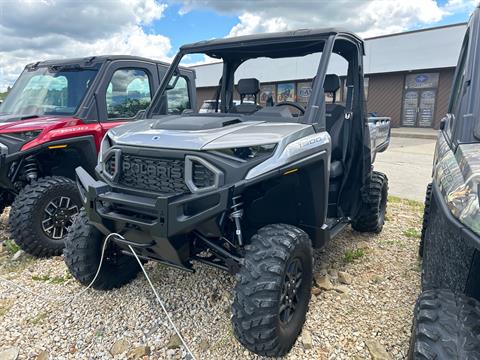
column 24, row 135
column 249, row 152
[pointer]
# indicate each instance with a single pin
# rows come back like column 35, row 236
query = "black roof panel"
column 97, row 59
column 208, row 46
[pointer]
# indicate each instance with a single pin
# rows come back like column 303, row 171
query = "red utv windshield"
column 48, row 91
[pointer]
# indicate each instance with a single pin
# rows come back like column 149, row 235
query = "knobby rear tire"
column 371, row 215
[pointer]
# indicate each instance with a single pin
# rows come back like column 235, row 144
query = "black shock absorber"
column 236, row 215
column 30, row 168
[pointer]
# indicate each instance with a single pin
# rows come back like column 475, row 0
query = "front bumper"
column 156, row 226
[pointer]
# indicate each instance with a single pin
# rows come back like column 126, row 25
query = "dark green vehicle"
column 447, row 315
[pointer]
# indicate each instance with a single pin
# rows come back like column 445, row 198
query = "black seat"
column 247, row 87
column 335, row 118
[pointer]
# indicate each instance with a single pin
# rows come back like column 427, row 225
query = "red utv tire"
column 42, row 213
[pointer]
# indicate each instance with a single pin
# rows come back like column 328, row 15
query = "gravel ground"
column 372, row 314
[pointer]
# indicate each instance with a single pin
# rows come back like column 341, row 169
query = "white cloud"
column 453, row 6
column 37, row 30
column 368, row 17
column 198, row 59
column 250, row 24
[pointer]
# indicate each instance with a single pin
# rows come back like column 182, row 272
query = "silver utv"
column 248, row 189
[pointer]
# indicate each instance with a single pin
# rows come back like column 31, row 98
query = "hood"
column 42, row 127
column 205, row 132
column 9, row 124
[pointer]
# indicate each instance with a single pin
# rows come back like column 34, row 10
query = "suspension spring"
column 236, row 215
column 30, row 169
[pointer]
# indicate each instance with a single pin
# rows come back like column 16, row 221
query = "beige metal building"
column 408, row 75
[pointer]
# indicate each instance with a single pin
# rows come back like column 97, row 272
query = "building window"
column 304, row 90
column 285, row 92
column 265, row 92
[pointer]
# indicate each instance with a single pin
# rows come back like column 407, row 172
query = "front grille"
column 158, row 175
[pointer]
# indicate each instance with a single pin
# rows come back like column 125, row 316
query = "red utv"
column 53, row 120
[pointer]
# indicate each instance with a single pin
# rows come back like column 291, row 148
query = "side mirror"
column 443, row 123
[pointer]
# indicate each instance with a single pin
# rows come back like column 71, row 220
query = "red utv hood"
column 52, row 128
column 39, row 123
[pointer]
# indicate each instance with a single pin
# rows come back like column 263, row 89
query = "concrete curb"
column 430, row 135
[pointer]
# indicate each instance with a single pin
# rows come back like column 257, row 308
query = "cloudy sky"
column 34, row 30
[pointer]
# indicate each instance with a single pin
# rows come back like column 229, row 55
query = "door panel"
column 426, row 108
column 419, row 108
column 410, row 108
column 113, row 90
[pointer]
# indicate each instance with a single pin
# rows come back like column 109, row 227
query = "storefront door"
column 419, row 100
column 419, row 108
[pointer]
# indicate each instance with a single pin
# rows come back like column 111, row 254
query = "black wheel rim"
column 58, row 215
column 289, row 297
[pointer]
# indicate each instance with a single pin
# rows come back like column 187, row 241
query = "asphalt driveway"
column 408, row 165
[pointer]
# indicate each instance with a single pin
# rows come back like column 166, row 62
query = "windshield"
column 48, row 91
column 261, row 78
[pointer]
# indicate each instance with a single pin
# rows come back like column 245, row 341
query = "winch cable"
column 161, row 304
column 70, row 298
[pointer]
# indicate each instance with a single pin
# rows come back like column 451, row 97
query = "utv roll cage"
column 235, row 51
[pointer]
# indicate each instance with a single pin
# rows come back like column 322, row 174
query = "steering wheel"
column 293, row 104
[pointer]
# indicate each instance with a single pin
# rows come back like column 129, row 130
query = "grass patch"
column 377, row 279
column 14, row 267
column 10, row 245
column 42, row 315
column 52, row 280
column 418, row 265
column 398, row 243
column 352, row 255
column 5, row 306
column 416, row 205
column 412, row 233
column 394, row 199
